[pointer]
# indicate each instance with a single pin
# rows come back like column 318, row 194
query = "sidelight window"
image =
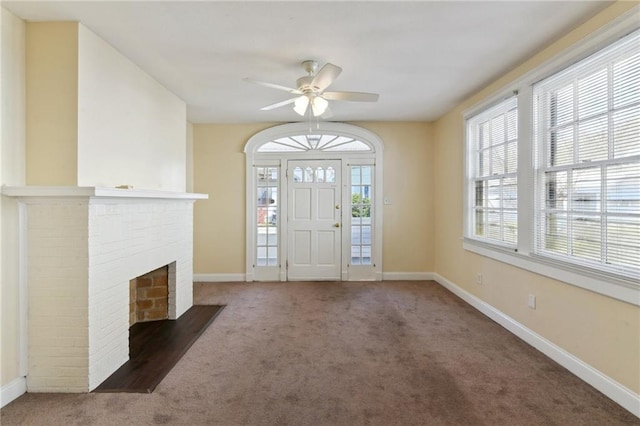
column 267, row 216
column 361, row 226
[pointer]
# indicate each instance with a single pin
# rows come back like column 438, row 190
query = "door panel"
column 314, row 223
column 302, row 204
column 326, row 203
column 302, row 254
column 326, row 245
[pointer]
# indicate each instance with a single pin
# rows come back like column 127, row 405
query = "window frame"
column 361, row 272
column 522, row 255
column 573, row 166
column 500, row 108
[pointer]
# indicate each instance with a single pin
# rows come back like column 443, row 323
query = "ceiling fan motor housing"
column 304, row 84
column 310, row 66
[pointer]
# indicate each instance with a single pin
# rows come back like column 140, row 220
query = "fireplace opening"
column 149, row 296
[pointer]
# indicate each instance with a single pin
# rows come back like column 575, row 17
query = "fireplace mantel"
column 79, row 249
column 96, row 192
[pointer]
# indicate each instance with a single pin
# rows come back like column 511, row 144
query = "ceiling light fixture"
column 318, row 105
column 300, row 105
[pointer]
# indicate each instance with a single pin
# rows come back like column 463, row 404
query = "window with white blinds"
column 492, row 144
column 587, row 161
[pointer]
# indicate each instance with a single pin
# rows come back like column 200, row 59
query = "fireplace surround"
column 80, row 247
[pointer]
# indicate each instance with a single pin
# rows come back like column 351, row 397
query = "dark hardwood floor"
column 155, row 347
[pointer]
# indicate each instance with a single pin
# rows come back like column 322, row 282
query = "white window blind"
column 492, row 142
column 587, row 155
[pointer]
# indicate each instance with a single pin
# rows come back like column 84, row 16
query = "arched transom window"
column 311, row 142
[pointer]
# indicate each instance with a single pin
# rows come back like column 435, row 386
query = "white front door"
column 314, row 220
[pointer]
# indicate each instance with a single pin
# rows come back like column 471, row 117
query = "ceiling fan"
column 311, row 91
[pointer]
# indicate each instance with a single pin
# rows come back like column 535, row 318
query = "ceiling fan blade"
column 326, row 76
column 351, row 96
column 278, row 104
column 273, row 86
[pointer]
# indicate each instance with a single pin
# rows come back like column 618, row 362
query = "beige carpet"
column 392, row 353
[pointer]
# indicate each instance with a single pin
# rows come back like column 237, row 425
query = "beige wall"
column 219, row 222
column 52, row 103
column 12, row 167
column 131, row 130
column 94, row 118
column 601, row 331
column 219, row 170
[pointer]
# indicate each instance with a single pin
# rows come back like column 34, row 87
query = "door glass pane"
column 267, row 215
column 262, row 256
column 331, row 175
column 272, row 256
column 361, row 224
column 366, row 235
column 355, row 175
column 355, row 255
column 366, row 176
column 308, row 174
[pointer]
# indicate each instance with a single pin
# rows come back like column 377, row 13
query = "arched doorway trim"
column 269, row 154
column 258, row 140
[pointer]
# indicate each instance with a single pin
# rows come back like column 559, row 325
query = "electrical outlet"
column 479, row 279
column 531, row 301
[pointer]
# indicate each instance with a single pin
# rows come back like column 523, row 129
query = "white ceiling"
column 421, row 57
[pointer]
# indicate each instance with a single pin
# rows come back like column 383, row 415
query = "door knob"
column 336, row 225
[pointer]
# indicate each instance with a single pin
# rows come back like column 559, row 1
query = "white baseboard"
column 218, row 278
column 12, row 390
column 605, row 384
column 386, row 276
column 408, row 276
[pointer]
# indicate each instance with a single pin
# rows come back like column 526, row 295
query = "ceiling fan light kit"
column 319, row 106
column 311, row 90
column 300, row 105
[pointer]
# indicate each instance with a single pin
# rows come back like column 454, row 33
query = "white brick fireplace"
column 81, row 247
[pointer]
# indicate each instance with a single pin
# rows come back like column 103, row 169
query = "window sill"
column 614, row 287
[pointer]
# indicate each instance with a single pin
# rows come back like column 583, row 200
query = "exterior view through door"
column 314, row 222
column 314, row 204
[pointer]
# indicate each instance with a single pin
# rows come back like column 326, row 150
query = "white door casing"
column 314, row 223
column 275, row 147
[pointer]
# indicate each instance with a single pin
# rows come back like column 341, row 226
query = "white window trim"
column 361, row 272
column 471, row 173
column 257, row 159
column 617, row 287
column 267, row 273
